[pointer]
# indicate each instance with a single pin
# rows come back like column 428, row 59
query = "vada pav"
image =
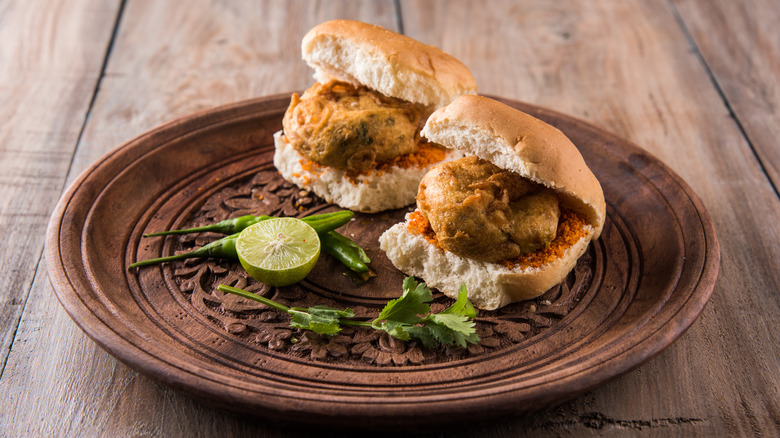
column 353, row 138
column 509, row 221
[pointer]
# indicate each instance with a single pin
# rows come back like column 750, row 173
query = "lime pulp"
column 279, row 251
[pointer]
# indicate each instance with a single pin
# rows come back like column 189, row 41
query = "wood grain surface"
column 742, row 58
column 693, row 82
column 47, row 84
column 638, row 288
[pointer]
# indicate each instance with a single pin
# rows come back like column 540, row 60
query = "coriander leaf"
column 329, row 312
column 401, row 318
column 456, row 323
column 395, row 329
column 462, row 306
column 473, row 338
column 300, row 319
column 323, row 328
column 461, row 327
column 323, row 320
column 441, row 333
column 412, row 303
column 422, row 334
column 461, row 339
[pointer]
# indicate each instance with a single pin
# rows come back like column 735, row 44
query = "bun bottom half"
column 490, row 285
column 367, row 193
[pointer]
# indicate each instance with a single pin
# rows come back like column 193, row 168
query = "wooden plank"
column 740, row 42
column 50, row 61
column 167, row 61
column 628, row 67
column 559, row 56
column 220, row 54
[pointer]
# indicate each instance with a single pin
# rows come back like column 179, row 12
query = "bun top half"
column 516, row 141
column 392, row 64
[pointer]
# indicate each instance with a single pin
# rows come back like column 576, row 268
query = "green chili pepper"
column 223, row 248
column 228, row 226
column 350, row 254
column 323, row 223
column 345, row 250
column 235, row 225
column 226, row 247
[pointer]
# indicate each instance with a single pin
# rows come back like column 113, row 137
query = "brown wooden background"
column 695, row 82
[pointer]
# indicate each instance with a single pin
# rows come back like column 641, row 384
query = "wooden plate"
column 638, row 288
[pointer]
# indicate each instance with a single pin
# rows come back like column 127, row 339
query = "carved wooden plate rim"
column 87, row 259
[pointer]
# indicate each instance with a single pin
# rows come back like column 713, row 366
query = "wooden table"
column 694, row 82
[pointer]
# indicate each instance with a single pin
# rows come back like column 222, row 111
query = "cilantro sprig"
column 407, row 318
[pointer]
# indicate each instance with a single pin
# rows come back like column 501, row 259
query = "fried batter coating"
column 483, row 212
column 354, row 128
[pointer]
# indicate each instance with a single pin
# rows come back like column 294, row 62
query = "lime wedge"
column 279, row 251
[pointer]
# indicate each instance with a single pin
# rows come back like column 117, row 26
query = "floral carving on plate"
column 267, row 193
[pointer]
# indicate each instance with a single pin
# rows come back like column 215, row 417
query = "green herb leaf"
column 319, row 319
column 330, row 312
column 440, row 333
column 459, row 327
column 401, row 318
column 395, row 329
column 462, row 306
column 422, row 334
column 406, row 318
column 413, row 302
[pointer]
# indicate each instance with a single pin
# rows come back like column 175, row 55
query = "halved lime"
column 279, row 251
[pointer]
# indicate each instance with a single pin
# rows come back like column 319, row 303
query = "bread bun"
column 514, row 141
column 366, row 192
column 490, row 285
column 389, row 64
column 392, row 64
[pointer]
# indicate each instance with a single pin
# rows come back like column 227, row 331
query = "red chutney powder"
column 419, row 225
column 571, row 228
column 308, row 166
column 425, row 154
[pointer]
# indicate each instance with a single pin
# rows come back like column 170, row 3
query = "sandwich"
column 353, row 138
column 510, row 219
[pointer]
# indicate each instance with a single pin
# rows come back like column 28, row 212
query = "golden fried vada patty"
column 343, row 126
column 483, row 212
